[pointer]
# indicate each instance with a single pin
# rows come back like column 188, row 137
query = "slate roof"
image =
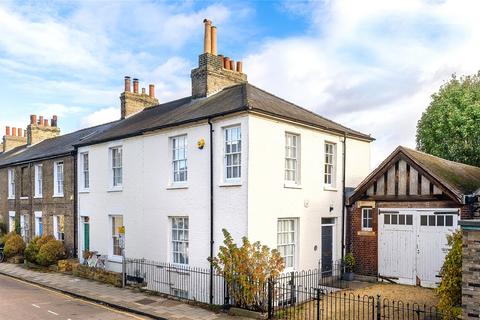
column 460, row 179
column 49, row 148
column 242, row 97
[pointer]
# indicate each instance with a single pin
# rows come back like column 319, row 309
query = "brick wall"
column 48, row 205
column 471, row 274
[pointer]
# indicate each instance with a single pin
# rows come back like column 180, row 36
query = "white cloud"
column 371, row 65
column 101, row 116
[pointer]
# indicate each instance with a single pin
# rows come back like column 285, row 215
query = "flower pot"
column 348, row 276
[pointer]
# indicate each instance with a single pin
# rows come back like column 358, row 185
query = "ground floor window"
column 38, row 224
column 286, row 240
column 117, row 230
column 367, row 219
column 24, row 227
column 180, row 229
column 11, row 221
column 59, row 227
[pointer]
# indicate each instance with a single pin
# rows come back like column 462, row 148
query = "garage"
column 399, row 217
column 412, row 244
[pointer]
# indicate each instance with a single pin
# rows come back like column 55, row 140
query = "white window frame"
column 11, row 183
column 293, row 244
column 184, row 241
column 333, row 165
column 38, row 220
column 57, row 182
column 177, row 152
column 366, row 211
column 24, row 226
column 11, row 221
column 291, row 158
column 115, row 236
column 85, row 171
column 56, row 232
column 116, row 186
column 229, row 156
column 38, row 181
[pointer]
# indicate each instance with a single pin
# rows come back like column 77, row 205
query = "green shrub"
column 3, row 228
column 349, row 262
column 50, row 253
column 14, row 245
column 450, row 288
column 31, row 251
column 44, row 239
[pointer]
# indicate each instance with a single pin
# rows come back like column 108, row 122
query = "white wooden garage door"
column 413, row 244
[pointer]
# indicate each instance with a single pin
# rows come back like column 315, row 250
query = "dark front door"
column 327, row 249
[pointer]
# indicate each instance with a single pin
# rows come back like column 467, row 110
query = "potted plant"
column 349, row 265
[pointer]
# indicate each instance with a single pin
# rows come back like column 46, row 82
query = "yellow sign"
column 121, row 230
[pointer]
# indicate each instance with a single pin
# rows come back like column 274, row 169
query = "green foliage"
column 31, row 251
column 450, row 288
column 3, row 228
column 349, row 262
column 449, row 127
column 50, row 252
column 14, row 245
column 18, row 227
column 247, row 270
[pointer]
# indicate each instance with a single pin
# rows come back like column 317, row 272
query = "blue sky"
column 371, row 65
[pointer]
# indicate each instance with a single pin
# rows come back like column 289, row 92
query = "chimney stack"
column 151, row 90
column 37, row 131
column 207, row 38
column 215, row 72
column 128, row 86
column 13, row 138
column 135, row 85
column 132, row 102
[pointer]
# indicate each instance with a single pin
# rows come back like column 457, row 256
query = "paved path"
column 124, row 299
column 21, row 300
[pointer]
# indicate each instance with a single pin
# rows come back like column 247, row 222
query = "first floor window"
column 233, row 153
column 85, row 171
column 59, row 227
column 286, row 240
column 117, row 230
column 58, row 178
column 24, row 182
column 117, row 174
column 180, row 240
column 38, row 180
column 291, row 157
column 11, row 221
column 330, row 164
column 367, row 219
column 11, row 184
column 179, row 158
column 38, row 224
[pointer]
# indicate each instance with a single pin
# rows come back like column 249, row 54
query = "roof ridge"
column 309, row 111
column 437, row 157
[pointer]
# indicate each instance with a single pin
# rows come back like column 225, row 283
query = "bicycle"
column 2, row 255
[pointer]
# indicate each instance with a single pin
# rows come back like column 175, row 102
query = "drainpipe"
column 211, row 210
column 344, row 200
column 75, row 202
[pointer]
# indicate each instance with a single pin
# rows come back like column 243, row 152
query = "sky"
column 370, row 65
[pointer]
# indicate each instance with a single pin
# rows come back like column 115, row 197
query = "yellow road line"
column 81, row 300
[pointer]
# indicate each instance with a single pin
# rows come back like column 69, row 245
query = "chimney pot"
column 33, row 119
column 14, row 131
column 7, row 130
column 232, row 65
column 54, row 121
column 143, row 91
column 151, row 90
column 214, row 40
column 207, row 38
column 40, row 121
column 19, row 132
column 226, row 63
column 45, row 122
column 135, row 85
column 239, row 66
column 128, row 86
column 25, row 133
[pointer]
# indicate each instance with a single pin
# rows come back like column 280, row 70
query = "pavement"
column 118, row 298
column 21, row 300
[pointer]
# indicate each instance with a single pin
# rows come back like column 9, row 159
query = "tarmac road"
column 23, row 301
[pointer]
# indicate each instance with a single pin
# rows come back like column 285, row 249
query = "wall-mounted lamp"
column 331, row 207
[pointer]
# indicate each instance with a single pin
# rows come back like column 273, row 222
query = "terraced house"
column 37, row 180
column 230, row 155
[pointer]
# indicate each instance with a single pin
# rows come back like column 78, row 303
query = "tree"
column 450, row 288
column 449, row 128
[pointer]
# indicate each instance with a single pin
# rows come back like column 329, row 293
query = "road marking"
column 33, row 304
column 53, row 312
column 77, row 299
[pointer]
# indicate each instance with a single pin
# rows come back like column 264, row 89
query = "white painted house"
column 230, row 156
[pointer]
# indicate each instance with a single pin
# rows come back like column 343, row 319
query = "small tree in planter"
column 349, row 265
column 246, row 270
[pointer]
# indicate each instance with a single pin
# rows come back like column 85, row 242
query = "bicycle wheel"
column 2, row 256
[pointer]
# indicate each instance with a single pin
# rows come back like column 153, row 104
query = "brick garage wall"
column 471, row 274
column 364, row 244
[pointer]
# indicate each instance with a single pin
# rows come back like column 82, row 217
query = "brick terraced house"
column 37, row 180
column 400, row 215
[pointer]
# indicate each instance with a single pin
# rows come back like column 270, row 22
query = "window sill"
column 38, row 197
column 177, row 186
column 58, row 196
column 366, row 233
column 24, row 198
column 330, row 188
column 115, row 189
column 84, row 191
column 292, row 186
column 10, row 198
column 231, row 184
